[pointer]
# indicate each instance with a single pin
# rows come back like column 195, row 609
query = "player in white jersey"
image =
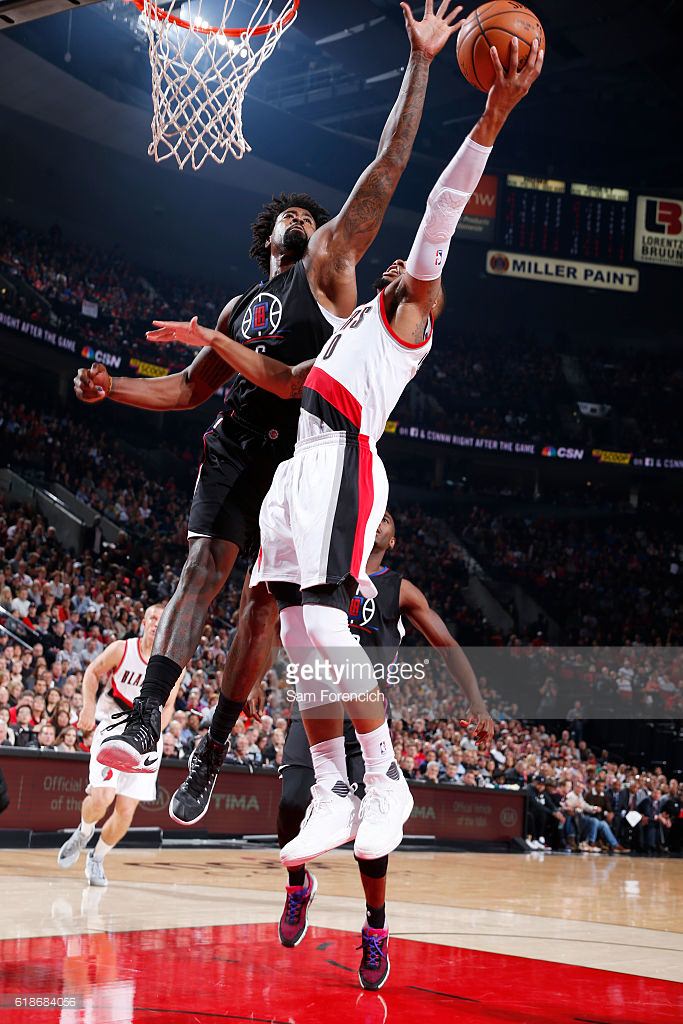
column 121, row 668
column 319, row 519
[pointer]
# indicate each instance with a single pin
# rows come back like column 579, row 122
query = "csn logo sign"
column 562, row 453
column 659, row 231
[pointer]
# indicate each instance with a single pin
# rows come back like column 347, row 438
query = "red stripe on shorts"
column 335, row 393
column 366, row 498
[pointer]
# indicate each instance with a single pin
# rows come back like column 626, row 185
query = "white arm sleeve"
column 445, row 204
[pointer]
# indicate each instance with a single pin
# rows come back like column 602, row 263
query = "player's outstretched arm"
column 415, row 293
column 415, row 606
column 264, row 371
column 177, row 391
column 339, row 245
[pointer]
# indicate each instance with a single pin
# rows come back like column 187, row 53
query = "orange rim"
column 232, row 33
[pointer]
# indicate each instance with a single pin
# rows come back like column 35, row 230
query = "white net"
column 200, row 76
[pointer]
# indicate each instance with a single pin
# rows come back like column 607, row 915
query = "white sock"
column 378, row 751
column 329, row 762
column 87, row 828
column 102, row 849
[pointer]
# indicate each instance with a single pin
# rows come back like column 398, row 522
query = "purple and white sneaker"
column 294, row 921
column 374, row 965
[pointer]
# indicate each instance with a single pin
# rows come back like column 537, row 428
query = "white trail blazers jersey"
column 124, row 683
column 360, row 375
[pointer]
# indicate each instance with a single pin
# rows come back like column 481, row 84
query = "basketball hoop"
column 200, row 73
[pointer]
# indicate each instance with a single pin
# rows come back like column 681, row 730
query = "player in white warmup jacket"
column 319, row 519
column 121, row 668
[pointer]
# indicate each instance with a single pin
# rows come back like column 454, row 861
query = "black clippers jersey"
column 282, row 319
column 376, row 621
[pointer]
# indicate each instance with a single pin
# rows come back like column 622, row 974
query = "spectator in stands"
column 170, row 745
column 38, row 710
column 240, row 753
column 575, row 716
column 540, row 813
column 46, row 736
column 673, row 808
column 24, row 735
column 586, row 821
column 6, row 735
column 67, row 740
column 70, row 659
column 655, row 822
column 20, row 604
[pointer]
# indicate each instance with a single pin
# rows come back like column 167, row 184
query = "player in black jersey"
column 310, row 263
column 376, row 622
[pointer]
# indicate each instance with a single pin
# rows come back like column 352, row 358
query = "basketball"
column 495, row 24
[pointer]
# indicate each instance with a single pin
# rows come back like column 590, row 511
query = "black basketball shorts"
column 230, row 488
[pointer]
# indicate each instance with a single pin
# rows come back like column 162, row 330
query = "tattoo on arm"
column 401, row 127
column 369, row 201
column 369, row 204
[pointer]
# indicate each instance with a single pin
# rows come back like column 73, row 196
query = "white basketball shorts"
column 319, row 519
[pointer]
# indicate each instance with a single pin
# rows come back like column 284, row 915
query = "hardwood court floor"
column 190, row 935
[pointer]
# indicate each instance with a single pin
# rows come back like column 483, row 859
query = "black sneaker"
column 191, row 800
column 135, row 748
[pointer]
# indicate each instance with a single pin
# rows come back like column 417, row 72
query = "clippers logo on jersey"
column 362, row 612
column 262, row 316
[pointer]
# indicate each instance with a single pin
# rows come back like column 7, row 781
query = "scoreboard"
column 565, row 220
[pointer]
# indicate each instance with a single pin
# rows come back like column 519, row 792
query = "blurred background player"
column 377, row 625
column 121, row 668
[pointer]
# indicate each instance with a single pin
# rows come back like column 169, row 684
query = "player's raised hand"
column 483, row 725
column 256, row 702
column 512, row 86
column 430, row 35
column 191, row 333
column 92, row 385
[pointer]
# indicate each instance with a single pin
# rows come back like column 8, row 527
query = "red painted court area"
column 241, row 973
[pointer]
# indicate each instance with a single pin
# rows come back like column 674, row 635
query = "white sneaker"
column 72, row 849
column 94, row 870
column 386, row 806
column 330, row 821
